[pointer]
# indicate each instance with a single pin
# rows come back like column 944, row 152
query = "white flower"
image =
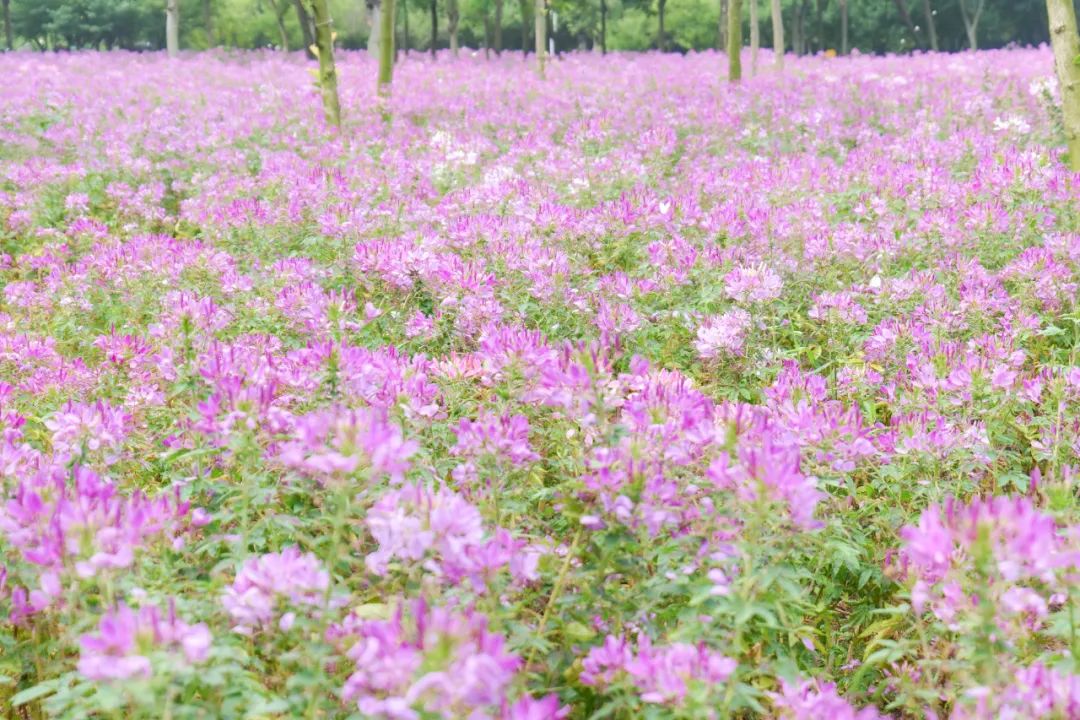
column 1013, row 123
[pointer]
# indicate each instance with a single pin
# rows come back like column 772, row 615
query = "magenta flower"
column 446, row 534
column 81, row 428
column 811, row 700
column 753, row 283
column 273, row 584
column 126, row 639
column 343, row 441
column 505, row 436
column 429, row 662
column 723, row 334
column 661, row 674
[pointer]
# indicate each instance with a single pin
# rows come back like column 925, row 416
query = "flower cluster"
column 275, row 585
column 812, row 700
column 340, row 442
column 434, row 662
column 126, row 640
column 444, row 533
column 1000, row 550
column 660, row 675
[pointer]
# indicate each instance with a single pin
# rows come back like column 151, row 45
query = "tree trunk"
column 498, row 27
column 434, row 27
column 452, row 18
column 524, row 28
column 1066, row 45
column 172, row 27
column 386, row 49
column 796, row 31
column 487, row 37
column 405, row 13
column 755, row 37
column 603, row 27
column 843, row 27
column 902, row 8
column 324, row 42
column 208, row 22
column 374, row 16
column 804, row 27
column 972, row 15
column 821, row 23
column 721, row 28
column 279, row 15
column 660, row 39
column 307, row 31
column 931, row 24
column 9, row 37
column 734, row 42
column 778, row 34
column 845, row 45
column 540, row 24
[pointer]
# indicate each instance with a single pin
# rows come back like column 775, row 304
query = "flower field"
column 624, row 394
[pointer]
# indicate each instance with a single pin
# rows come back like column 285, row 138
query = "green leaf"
column 33, row 693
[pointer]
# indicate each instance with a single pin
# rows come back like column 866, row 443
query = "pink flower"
column 811, row 700
column 268, row 583
column 661, row 674
column 753, row 283
column 430, row 662
column 125, row 639
column 723, row 334
column 342, row 441
column 505, row 436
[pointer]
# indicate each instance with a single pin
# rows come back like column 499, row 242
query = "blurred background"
column 812, row 26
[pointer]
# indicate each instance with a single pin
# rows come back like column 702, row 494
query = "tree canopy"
column 874, row 25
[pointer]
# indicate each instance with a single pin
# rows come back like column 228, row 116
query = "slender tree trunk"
column 374, row 13
column 661, row 41
column 434, row 27
column 804, row 17
column 1066, row 44
column 905, row 15
column 524, row 4
column 279, row 15
column 172, row 27
column 844, row 27
column 734, row 41
column 972, row 11
column 452, row 18
column 208, row 22
column 931, row 24
column 778, row 34
column 498, row 27
column 405, row 13
column 487, row 37
column 540, row 24
column 755, row 37
column 324, row 42
column 721, row 29
column 307, row 31
column 386, row 49
column 796, row 31
column 819, row 26
column 603, row 27
column 9, row 37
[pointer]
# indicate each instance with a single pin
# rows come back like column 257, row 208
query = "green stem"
column 560, row 581
column 340, row 498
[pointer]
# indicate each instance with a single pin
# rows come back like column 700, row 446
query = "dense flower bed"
column 627, row 394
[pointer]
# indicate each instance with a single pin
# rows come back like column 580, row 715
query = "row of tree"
column 813, row 25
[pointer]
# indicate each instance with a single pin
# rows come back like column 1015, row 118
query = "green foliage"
column 874, row 25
